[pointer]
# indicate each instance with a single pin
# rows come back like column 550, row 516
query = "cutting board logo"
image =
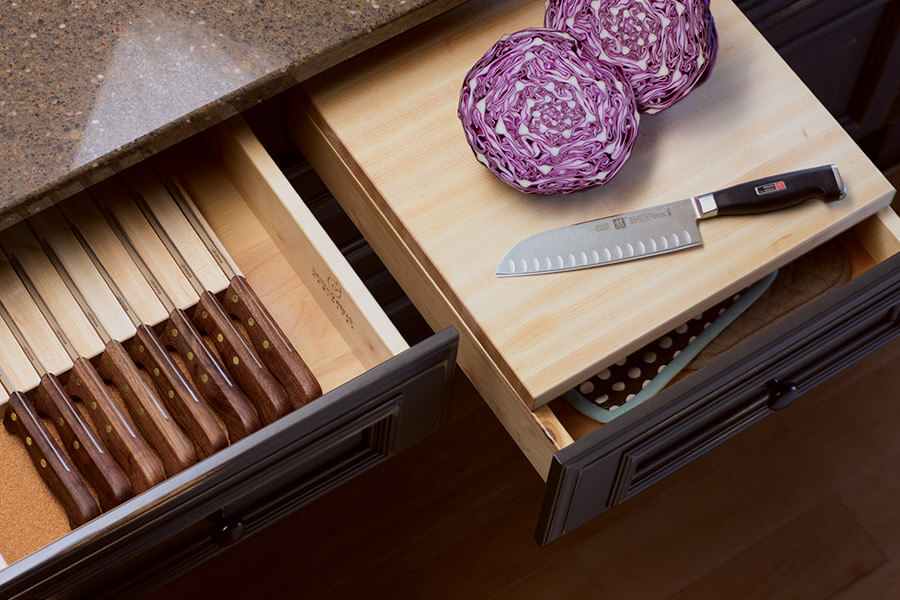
column 333, row 291
column 334, row 287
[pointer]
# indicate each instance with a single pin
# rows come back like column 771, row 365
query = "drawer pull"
column 226, row 531
column 781, row 393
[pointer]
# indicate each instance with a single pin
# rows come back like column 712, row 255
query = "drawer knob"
column 226, row 531
column 894, row 315
column 781, row 393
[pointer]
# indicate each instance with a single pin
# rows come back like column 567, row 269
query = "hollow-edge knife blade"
column 628, row 236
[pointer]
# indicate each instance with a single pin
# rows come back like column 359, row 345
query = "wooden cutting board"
column 392, row 114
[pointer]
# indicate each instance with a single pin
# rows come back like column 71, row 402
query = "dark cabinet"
column 848, row 54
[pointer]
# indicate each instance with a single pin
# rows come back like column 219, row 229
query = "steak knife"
column 665, row 228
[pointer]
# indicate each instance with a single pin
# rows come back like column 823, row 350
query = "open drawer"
column 380, row 397
column 382, row 132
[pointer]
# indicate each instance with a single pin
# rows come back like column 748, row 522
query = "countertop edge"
column 21, row 207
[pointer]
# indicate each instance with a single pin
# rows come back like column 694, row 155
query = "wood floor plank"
column 874, row 499
column 883, row 583
column 819, row 553
column 562, row 579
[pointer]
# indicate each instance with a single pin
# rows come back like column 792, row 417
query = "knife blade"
column 662, row 229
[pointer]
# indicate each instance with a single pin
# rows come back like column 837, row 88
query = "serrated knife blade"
column 662, row 229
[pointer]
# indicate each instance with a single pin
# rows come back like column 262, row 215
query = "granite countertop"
column 88, row 88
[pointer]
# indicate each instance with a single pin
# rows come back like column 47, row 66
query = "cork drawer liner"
column 382, row 133
column 296, row 270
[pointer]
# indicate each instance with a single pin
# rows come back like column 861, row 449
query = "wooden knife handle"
column 141, row 466
column 93, row 461
column 148, row 410
column 271, row 344
column 213, row 382
column 179, row 395
column 256, row 380
column 50, row 461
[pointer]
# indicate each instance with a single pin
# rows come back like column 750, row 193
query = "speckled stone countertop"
column 88, row 88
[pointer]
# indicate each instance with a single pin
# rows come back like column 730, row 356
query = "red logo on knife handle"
column 768, row 188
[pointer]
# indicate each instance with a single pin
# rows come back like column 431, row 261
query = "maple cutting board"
column 391, row 117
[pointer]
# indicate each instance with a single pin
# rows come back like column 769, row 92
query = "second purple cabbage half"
column 666, row 47
column 543, row 118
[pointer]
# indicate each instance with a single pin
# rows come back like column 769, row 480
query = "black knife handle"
column 779, row 191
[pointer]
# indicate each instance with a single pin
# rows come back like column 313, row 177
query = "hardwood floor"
column 803, row 505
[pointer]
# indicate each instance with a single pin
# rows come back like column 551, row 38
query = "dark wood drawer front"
column 847, row 53
column 664, row 453
column 249, row 485
column 697, row 414
column 833, row 59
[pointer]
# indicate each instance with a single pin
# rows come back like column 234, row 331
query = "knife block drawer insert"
column 382, row 132
column 299, row 276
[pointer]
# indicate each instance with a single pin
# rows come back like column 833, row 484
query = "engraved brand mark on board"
column 333, row 290
column 619, row 222
column 335, row 287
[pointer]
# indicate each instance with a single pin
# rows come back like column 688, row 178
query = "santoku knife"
column 666, row 228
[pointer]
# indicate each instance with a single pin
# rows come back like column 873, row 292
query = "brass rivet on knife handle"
column 173, row 447
column 266, row 336
column 209, row 377
column 265, row 392
column 228, row 401
column 51, row 463
column 95, row 464
column 131, row 452
column 180, row 396
column 146, row 350
column 278, row 354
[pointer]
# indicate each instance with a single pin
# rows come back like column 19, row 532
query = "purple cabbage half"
column 666, row 47
column 543, row 119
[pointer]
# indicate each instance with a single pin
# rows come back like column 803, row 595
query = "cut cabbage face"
column 666, row 47
column 543, row 119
